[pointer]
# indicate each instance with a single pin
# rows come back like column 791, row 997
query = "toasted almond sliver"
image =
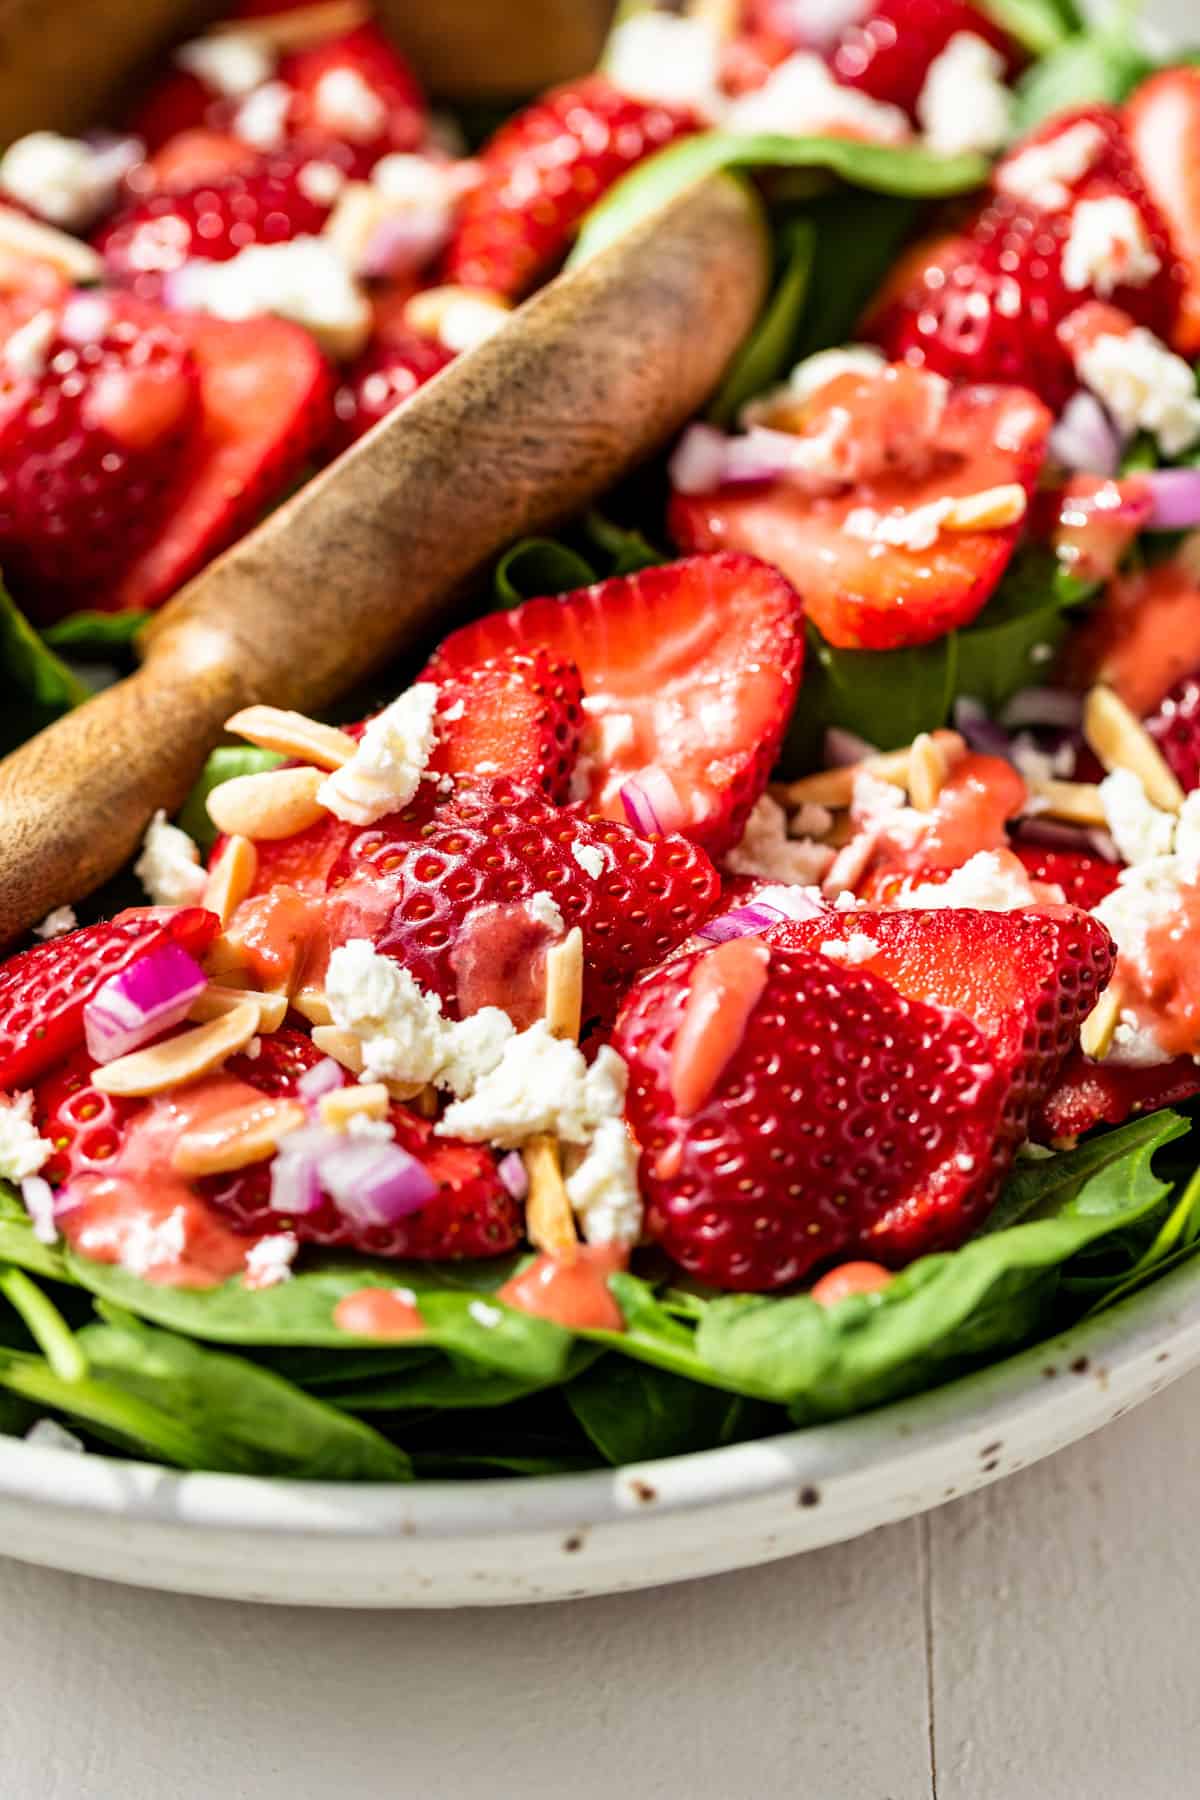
column 369, row 1100
column 218, row 1000
column 991, row 510
column 345, row 1048
column 1096, row 1035
column 43, row 243
column 292, row 734
column 237, row 1138
column 926, row 772
column 356, row 216
column 549, row 1221
column 179, row 1059
column 1075, row 802
column 226, row 958
column 231, row 879
column 429, row 310
column 300, row 26
column 275, row 804
column 312, row 1004
column 835, row 787
column 564, row 986
column 425, row 1103
column 1121, row 741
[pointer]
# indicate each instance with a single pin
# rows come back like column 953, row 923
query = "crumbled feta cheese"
column 348, row 106
column 815, row 372
column 361, row 1125
column 26, row 350
column 48, row 1434
column 468, row 320
column 169, row 866
column 602, row 1186
column 231, row 63
column 303, row 280
column 455, row 712
column 847, row 901
column 767, row 852
column 1036, row 764
column 857, row 948
column 964, row 104
column 1144, row 386
column 800, row 98
column 1187, row 837
column 916, row 529
column 57, row 923
column 810, row 820
column 1140, row 831
column 541, row 1086
column 1044, row 172
column 320, row 182
column 403, row 1033
column 593, row 859
column 991, row 880
column 261, row 119
column 1136, row 1046
column 38, row 1198
column 1146, row 900
column 1108, row 247
column 543, row 909
column 270, row 1260
column 65, row 180
column 385, row 771
column 142, row 1245
column 674, row 61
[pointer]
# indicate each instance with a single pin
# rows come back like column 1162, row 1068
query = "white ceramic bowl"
column 560, row 1537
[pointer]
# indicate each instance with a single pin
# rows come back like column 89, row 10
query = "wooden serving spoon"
column 585, row 380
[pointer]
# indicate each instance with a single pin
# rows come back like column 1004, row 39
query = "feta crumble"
column 57, row 923
column 65, row 180
column 543, row 909
column 231, row 63
column 169, row 865
column 541, row 1086
column 1044, row 172
column 26, row 350
column 602, row 1186
column 1139, row 829
column 1108, row 247
column 917, row 529
column 1145, row 386
column 991, row 880
column 1036, row 764
column 964, row 104
column 403, row 1033
column 665, row 59
column 348, row 106
column 320, row 182
column 800, row 98
column 261, row 119
column 386, row 769
column 767, row 853
column 857, row 948
column 303, row 280
column 593, row 859
column 22, row 1150
column 269, row 1261
column 815, row 372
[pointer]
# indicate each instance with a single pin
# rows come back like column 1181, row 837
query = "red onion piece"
column 1042, row 706
column 698, row 463
column 1176, row 499
column 511, row 1171
column 1085, row 438
column 980, row 732
column 651, row 803
column 295, row 1183
column 404, row 243
column 141, row 1002
column 761, row 455
column 759, row 915
column 1053, row 834
column 375, row 1182
column 322, row 1078
column 842, row 748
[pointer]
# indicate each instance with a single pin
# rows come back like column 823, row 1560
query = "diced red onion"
column 375, row 1182
column 1053, row 834
column 651, row 803
column 980, row 732
column 759, row 915
column 295, row 1183
column 813, row 24
column 404, row 243
column 1085, row 438
column 322, row 1078
column 842, row 748
column 1042, row 706
column 141, row 1002
column 512, row 1173
column 1176, row 499
column 38, row 1197
column 698, row 463
column 761, row 455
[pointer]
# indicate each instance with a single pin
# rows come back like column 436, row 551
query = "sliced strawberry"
column 1162, row 122
column 94, row 444
column 924, row 268
column 1091, row 521
column 1089, row 1093
column 266, row 398
column 269, row 202
column 381, row 379
column 543, row 171
column 191, row 158
column 1083, row 879
column 1175, row 727
column 518, row 715
column 354, row 91
column 43, row 991
column 446, row 890
column 1143, row 638
column 178, row 101
column 748, row 58
column 84, row 1124
column 862, row 593
column 1027, row 979
column 791, row 1110
column 888, row 55
column 690, row 671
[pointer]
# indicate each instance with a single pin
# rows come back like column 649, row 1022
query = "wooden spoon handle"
column 587, row 379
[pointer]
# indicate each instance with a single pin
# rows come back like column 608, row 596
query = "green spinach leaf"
column 634, row 1412
column 769, row 351
column 36, row 686
column 222, row 765
column 96, row 634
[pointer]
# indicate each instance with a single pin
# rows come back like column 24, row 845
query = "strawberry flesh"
column 1089, row 1093
column 1083, row 879
column 888, row 54
column 353, row 92
column 381, row 379
column 1175, row 727
column 519, row 715
column 1162, row 122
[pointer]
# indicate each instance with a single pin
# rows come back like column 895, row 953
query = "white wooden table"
column 1034, row 1642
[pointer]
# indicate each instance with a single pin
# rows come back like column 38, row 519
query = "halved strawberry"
column 1162, row 123
column 1084, row 879
column 518, row 715
column 385, row 376
column 860, row 591
column 1091, row 521
column 888, row 55
column 43, row 991
column 1143, row 638
column 447, row 889
column 189, row 159
column 1089, row 1093
column 543, row 171
column 266, row 398
column 690, row 672
column 791, row 1110
column 1175, row 727
column 1027, row 980
column 354, row 91
column 84, row 1124
column 177, row 101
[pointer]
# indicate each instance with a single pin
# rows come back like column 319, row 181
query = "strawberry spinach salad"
column 744, row 976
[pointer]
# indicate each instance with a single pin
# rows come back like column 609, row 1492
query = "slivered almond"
column 549, row 1221
column 298, row 27
column 459, row 317
column 926, row 772
column 217, row 1001
column 426, row 1102
column 311, row 1004
column 1121, row 741
column 226, row 958
column 1096, row 1034
column 1075, row 802
column 564, row 986
column 991, row 510
column 231, row 879
column 369, row 1100
column 43, row 243
column 237, row 1138
column 356, row 216
column 292, row 734
column 179, row 1059
column 835, row 787
column 275, row 804
column 345, row 1048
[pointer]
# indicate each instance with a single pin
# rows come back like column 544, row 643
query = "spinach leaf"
column 1109, row 1172
column 768, row 352
column 446, row 1384
column 1040, row 25
column 901, row 169
column 858, row 237
column 96, row 634
column 1009, row 645
column 36, row 687
column 633, row 1412
column 1097, row 66
column 18, row 1244
column 222, row 765
column 626, row 550
column 538, row 566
